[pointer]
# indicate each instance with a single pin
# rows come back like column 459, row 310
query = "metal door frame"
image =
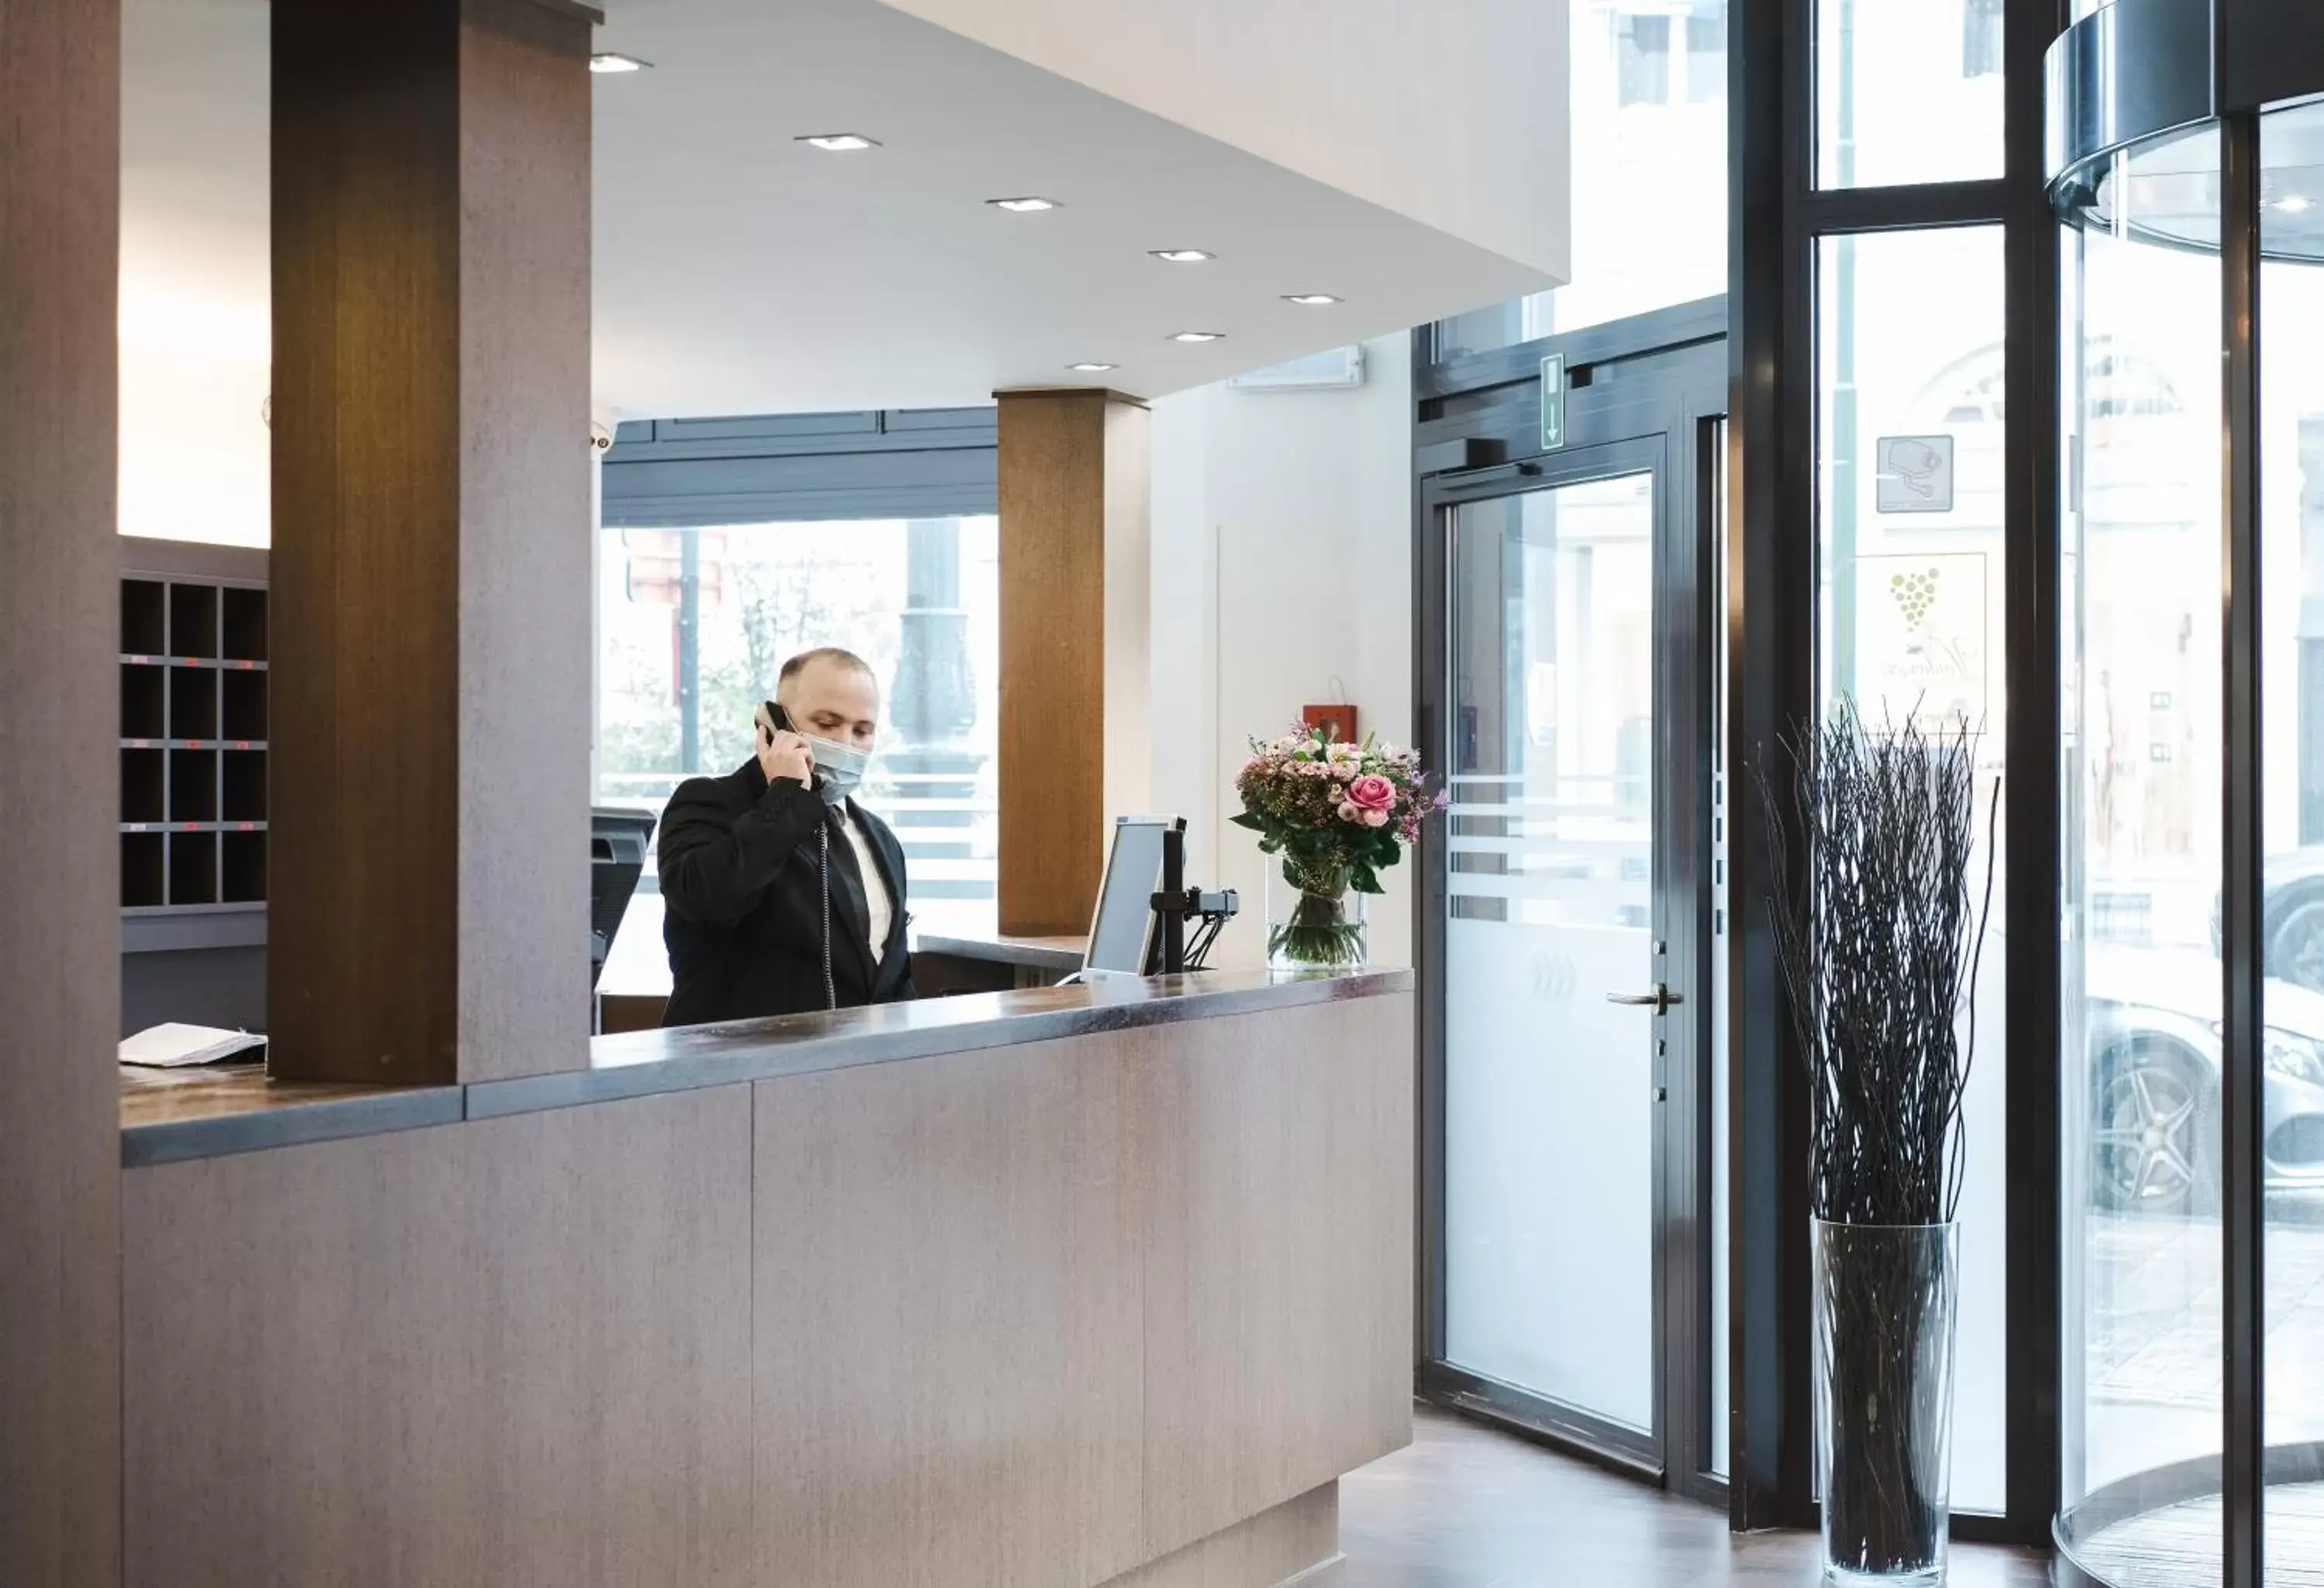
column 1645, row 394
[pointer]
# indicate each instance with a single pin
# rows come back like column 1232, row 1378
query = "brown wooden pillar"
column 59, row 796
column 1074, row 634
column 428, row 878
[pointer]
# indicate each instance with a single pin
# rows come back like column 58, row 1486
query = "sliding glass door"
column 1554, row 971
column 1568, row 929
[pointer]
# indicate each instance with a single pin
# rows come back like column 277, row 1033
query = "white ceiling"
column 739, row 272
column 1447, row 111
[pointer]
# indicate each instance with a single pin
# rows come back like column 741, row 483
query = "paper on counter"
column 166, row 1047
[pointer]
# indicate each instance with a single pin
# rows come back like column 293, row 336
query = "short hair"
column 833, row 654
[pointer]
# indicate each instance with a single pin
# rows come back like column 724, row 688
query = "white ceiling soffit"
column 1451, row 112
column 739, row 271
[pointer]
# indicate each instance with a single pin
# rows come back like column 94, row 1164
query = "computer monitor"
column 1122, row 937
column 617, row 855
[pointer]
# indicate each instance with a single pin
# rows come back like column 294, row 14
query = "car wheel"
column 2296, row 951
column 2150, row 1131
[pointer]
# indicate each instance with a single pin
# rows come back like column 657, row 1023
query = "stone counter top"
column 168, row 1116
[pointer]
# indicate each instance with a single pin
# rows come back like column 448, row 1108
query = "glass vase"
column 1314, row 919
column 1884, row 1303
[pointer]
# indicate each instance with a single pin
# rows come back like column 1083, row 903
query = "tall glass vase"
column 1885, row 1304
column 1315, row 917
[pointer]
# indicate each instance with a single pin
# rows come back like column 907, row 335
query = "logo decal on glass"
column 1921, row 636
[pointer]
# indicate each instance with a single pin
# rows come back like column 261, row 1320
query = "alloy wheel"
column 2147, row 1141
column 2296, row 954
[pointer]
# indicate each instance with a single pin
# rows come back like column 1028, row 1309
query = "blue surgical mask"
column 838, row 768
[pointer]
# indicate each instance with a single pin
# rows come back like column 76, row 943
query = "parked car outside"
column 2155, row 1055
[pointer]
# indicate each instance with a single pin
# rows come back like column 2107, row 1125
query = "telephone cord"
column 823, row 868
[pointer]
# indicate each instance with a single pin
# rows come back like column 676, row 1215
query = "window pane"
column 1907, row 91
column 2292, row 696
column 1642, row 60
column 1649, row 106
column 2139, row 611
column 1913, row 604
column 919, row 599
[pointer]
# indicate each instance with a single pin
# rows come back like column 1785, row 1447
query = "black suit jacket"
column 742, row 902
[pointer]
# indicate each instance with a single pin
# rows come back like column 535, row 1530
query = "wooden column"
column 59, row 796
column 1074, row 634
column 427, row 884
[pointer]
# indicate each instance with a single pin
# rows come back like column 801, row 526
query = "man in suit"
column 780, row 894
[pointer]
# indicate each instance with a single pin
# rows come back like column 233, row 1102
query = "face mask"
column 838, row 768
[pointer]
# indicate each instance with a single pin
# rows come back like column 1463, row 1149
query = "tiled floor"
column 2151, row 1334
column 1468, row 1508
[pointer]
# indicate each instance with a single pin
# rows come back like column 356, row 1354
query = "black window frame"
column 802, row 468
column 1777, row 219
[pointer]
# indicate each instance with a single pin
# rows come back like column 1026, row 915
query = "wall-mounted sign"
column 1552, row 403
column 1915, row 474
column 1339, row 722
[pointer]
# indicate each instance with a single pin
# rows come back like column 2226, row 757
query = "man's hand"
column 786, row 755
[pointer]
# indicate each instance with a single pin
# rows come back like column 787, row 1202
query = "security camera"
column 601, row 440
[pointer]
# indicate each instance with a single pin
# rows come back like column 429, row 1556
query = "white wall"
column 196, row 335
column 1282, row 577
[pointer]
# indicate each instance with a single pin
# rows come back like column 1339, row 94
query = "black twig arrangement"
column 1880, row 958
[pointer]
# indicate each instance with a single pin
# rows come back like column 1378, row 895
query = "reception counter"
column 1048, row 1288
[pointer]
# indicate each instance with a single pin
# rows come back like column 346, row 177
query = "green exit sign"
column 1552, row 403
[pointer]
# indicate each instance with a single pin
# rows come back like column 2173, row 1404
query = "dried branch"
column 1880, row 956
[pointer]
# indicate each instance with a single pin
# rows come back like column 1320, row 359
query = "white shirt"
column 877, row 906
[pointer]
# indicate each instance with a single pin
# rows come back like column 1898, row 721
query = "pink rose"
column 1371, row 792
column 1375, row 818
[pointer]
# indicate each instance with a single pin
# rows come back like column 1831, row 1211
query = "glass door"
column 1568, row 960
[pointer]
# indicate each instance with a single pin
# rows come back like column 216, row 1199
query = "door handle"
column 1659, row 1000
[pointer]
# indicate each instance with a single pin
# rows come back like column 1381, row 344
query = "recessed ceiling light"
column 1196, row 336
column 1027, row 205
column 1089, row 369
column 838, row 143
column 2295, row 204
column 610, row 62
column 1309, row 299
column 1181, row 256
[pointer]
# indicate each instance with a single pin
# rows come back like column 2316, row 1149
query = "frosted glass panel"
column 1550, row 1106
column 1548, row 1185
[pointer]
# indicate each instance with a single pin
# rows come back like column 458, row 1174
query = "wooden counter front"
column 1116, row 1303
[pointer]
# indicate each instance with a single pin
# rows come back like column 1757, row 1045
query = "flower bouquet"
column 1338, row 814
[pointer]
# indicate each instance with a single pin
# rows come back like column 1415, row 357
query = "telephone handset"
column 773, row 719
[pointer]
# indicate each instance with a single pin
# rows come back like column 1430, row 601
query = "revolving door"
column 2186, row 165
